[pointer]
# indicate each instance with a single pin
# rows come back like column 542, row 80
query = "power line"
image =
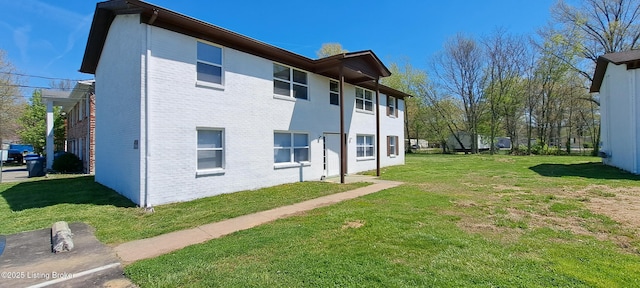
column 43, row 87
column 42, row 77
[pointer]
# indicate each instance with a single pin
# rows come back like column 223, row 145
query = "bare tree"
column 460, row 68
column 506, row 56
column 596, row 27
column 330, row 49
column 11, row 101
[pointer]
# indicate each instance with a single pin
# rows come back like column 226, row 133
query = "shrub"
column 67, row 163
column 520, row 150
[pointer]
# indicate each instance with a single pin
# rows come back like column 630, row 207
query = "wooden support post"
column 378, row 147
column 343, row 136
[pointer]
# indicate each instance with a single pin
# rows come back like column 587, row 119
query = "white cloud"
column 43, row 10
column 21, row 39
column 81, row 26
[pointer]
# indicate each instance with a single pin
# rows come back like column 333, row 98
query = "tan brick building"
column 79, row 108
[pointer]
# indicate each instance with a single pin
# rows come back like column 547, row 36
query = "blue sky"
column 47, row 38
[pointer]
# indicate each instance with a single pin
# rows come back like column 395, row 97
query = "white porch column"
column 49, row 145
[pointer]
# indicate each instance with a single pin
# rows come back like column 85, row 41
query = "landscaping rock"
column 61, row 237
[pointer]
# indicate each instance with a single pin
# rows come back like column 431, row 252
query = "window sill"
column 204, row 84
column 291, row 165
column 210, row 172
column 365, row 111
column 288, row 98
column 365, row 158
column 393, row 156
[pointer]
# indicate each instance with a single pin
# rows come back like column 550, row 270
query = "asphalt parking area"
column 14, row 173
column 27, row 261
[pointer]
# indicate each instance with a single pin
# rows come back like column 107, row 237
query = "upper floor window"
column 334, row 92
column 290, row 147
column 392, row 106
column 209, row 64
column 364, row 100
column 289, row 82
column 210, row 149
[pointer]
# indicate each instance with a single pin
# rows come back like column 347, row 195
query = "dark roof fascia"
column 102, row 19
column 163, row 18
column 630, row 58
column 373, row 59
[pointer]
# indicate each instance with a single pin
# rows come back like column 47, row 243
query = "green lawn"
column 38, row 204
column 459, row 221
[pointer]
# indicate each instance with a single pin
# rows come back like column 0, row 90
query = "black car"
column 15, row 156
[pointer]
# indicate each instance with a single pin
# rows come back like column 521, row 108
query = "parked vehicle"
column 15, row 156
column 465, row 139
column 18, row 153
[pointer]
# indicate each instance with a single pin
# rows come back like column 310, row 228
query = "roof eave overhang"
column 360, row 66
column 630, row 58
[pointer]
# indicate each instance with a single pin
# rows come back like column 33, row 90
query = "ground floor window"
column 364, row 146
column 210, row 149
column 290, row 147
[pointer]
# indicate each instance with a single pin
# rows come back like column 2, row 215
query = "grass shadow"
column 77, row 190
column 592, row 170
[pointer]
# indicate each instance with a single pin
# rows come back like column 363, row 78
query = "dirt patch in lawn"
column 620, row 204
column 353, row 224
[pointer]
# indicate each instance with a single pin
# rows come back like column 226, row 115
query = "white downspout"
column 634, row 128
column 145, row 192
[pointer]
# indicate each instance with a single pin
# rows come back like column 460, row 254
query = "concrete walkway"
column 152, row 247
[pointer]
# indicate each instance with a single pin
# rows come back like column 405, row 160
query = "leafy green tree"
column 33, row 122
column 442, row 116
column 505, row 55
column 34, row 125
column 414, row 82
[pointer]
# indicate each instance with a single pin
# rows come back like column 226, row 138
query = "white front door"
column 331, row 154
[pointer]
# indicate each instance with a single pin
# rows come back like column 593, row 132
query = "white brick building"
column 189, row 110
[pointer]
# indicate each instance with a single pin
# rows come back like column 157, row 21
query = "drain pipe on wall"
column 145, row 198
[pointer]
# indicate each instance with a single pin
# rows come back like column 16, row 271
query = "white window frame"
column 80, row 109
column 292, row 162
column 334, row 92
column 391, row 106
column 291, row 83
column 366, row 145
column 87, row 109
column 216, row 170
column 393, row 143
column 365, row 101
column 221, row 65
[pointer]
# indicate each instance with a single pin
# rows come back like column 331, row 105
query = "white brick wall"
column 118, row 109
column 247, row 111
